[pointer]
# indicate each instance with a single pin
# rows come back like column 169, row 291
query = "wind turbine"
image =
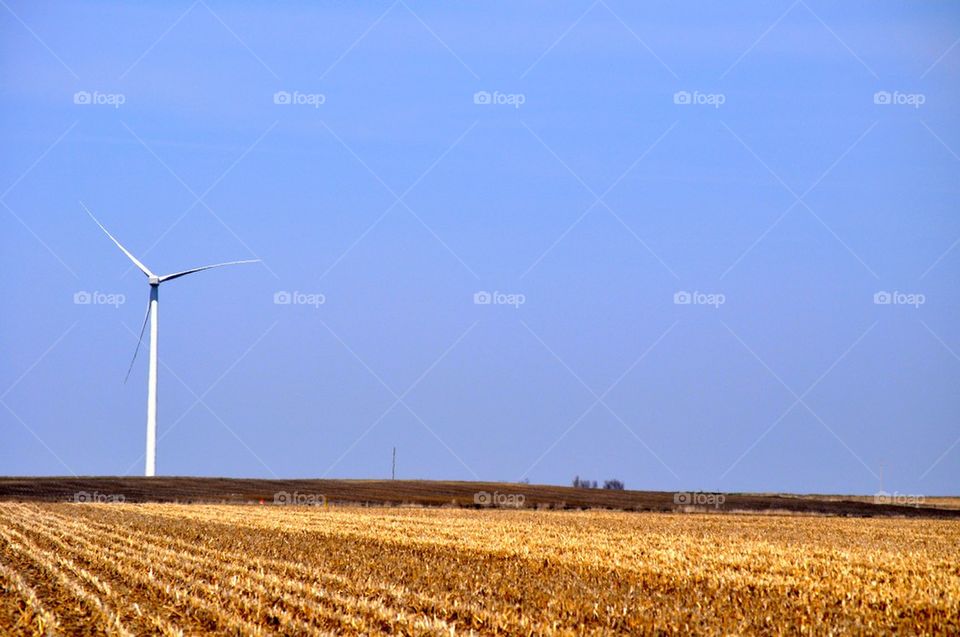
column 153, row 312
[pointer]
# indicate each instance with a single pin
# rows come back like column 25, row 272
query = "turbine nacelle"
column 154, row 280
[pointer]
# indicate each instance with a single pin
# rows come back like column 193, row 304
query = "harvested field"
column 120, row 569
column 446, row 493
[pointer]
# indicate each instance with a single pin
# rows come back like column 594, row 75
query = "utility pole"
column 393, row 468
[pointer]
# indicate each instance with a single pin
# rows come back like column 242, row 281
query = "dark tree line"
column 614, row 484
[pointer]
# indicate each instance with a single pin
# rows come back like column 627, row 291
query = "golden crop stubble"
column 420, row 571
column 250, row 577
column 60, row 568
column 32, row 617
column 813, row 562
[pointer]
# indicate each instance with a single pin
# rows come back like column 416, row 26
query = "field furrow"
column 114, row 585
column 247, row 585
column 21, row 610
column 381, row 600
column 52, row 573
column 194, row 597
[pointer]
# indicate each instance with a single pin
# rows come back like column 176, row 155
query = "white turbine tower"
column 153, row 311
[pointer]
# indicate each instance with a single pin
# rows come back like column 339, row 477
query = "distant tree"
column 614, row 484
column 580, row 483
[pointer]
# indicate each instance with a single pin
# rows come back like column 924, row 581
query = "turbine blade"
column 168, row 277
column 136, row 262
column 139, row 340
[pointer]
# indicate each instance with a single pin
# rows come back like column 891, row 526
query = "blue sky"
column 777, row 165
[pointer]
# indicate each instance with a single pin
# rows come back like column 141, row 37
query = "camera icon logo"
column 882, row 97
column 882, row 298
column 482, row 298
column 281, row 97
column 682, row 498
column 682, row 298
column 281, row 497
column 82, row 298
column 482, row 498
column 482, row 97
column 82, row 97
column 682, row 97
column 282, row 297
